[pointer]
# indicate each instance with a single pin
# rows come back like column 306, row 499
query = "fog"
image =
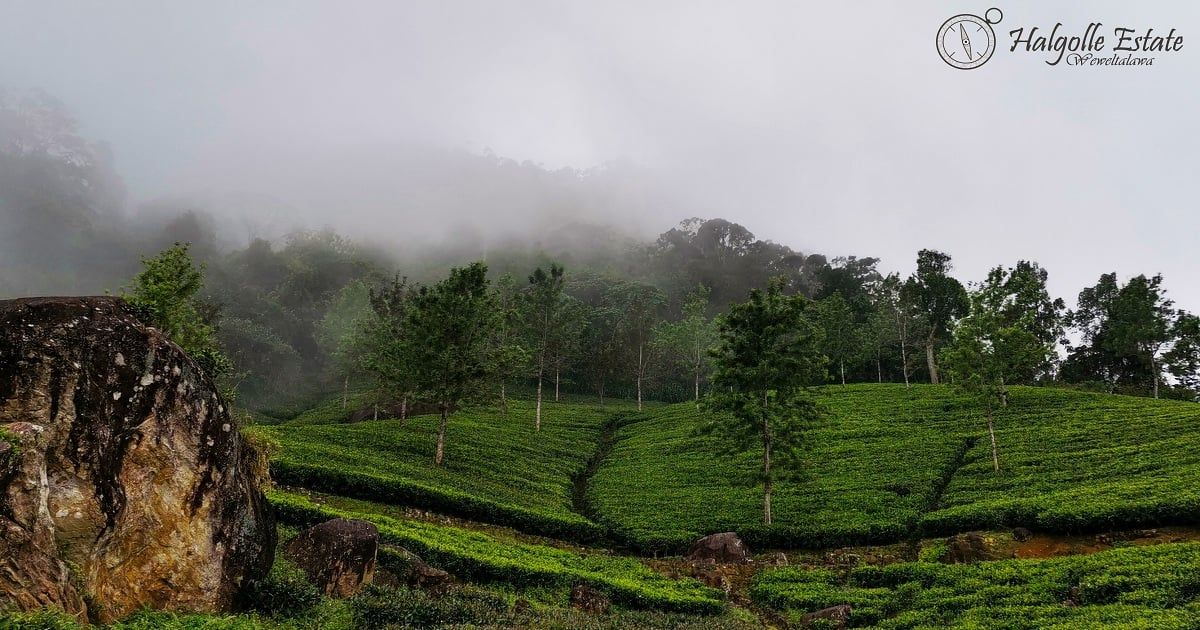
column 833, row 128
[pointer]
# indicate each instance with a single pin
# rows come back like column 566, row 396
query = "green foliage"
column 389, row 461
column 165, row 292
column 483, row 557
column 936, row 297
column 378, row 607
column 1144, row 587
column 284, row 593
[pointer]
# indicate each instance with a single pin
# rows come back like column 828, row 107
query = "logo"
column 967, row 41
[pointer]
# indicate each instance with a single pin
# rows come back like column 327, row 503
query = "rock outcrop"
column 969, row 547
column 338, row 556
column 724, row 548
column 123, row 481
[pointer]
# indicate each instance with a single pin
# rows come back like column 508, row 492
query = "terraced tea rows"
column 472, row 554
column 878, row 467
column 497, row 469
column 1137, row 587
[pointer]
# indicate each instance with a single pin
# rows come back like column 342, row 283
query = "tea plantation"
column 1134, row 587
column 890, row 462
column 497, row 469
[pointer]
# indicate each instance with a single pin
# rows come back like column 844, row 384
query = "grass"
column 877, row 470
column 1134, row 587
column 484, row 557
column 497, row 468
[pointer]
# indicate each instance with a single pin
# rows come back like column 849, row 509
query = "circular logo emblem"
column 967, row 41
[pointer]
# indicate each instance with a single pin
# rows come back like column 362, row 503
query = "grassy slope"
column 1071, row 460
column 497, row 468
column 1135, row 587
column 481, row 556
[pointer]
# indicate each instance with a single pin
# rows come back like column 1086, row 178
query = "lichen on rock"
column 121, row 484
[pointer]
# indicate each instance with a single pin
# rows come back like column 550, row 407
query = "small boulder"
column 1021, row 534
column 836, row 616
column 416, row 573
column 588, row 599
column 968, row 547
column 724, row 548
column 338, row 556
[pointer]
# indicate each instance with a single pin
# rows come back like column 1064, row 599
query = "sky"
column 833, row 127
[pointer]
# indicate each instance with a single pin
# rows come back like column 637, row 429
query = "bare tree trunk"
column 504, row 398
column 556, row 384
column 537, row 422
column 697, row 384
column 404, row 408
column 842, row 365
column 345, row 393
column 768, row 486
column 1154, row 369
column 879, row 363
column 440, row 453
column 904, row 353
column 639, row 377
column 992, row 434
column 933, row 371
column 376, row 417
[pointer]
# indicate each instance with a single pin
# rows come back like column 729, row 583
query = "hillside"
column 498, row 469
column 890, row 462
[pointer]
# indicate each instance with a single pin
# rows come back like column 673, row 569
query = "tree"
column 567, row 342
column 843, row 337
column 689, row 339
column 987, row 353
column 382, row 345
column 938, row 298
column 1183, row 359
column 165, row 293
column 893, row 320
column 1018, row 295
column 545, row 303
column 511, row 354
column 336, row 330
column 767, row 355
column 636, row 307
column 1124, row 329
column 452, row 359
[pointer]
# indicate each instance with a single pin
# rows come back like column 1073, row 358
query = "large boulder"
column 338, row 556
column 123, row 481
column 724, row 548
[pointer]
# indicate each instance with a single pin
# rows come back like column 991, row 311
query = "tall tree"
column 510, row 354
column 894, row 321
column 545, row 302
column 987, row 353
column 1183, row 359
column 689, row 339
column 1018, row 295
column 842, row 335
column 637, row 308
column 1124, row 329
column 768, row 354
column 382, row 345
column 452, row 358
column 567, row 343
column 939, row 298
column 336, row 330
